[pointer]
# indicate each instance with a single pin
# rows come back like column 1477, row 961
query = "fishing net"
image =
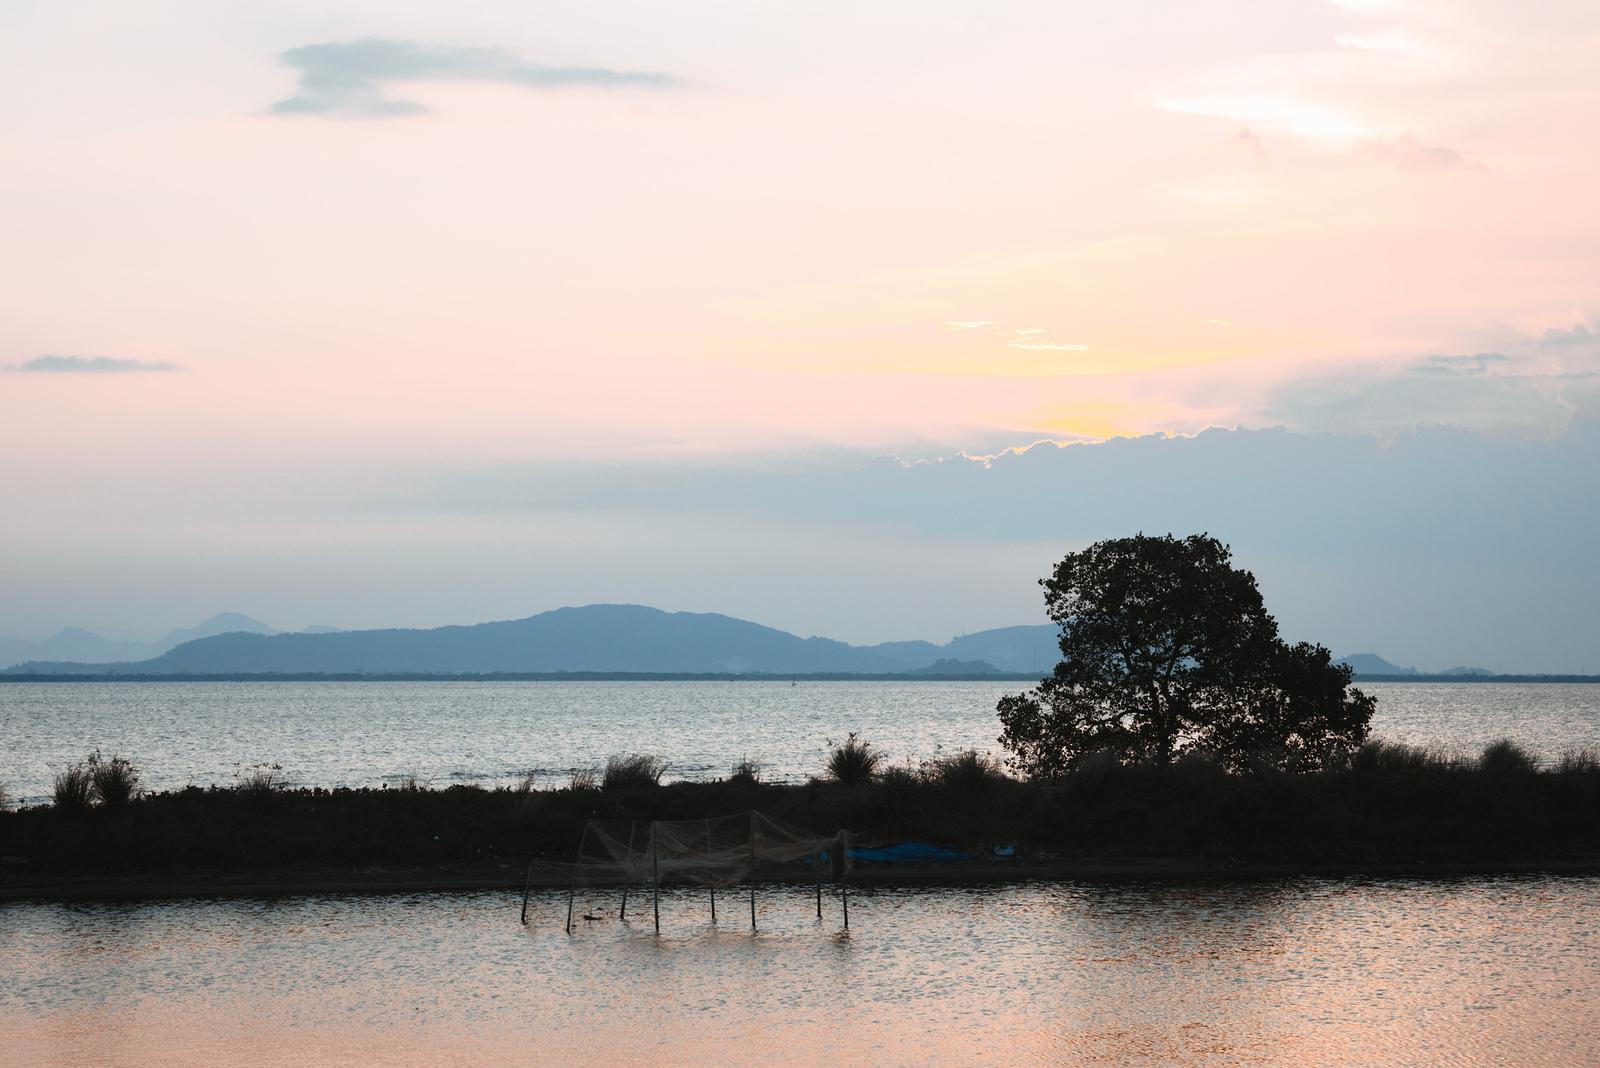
column 616, row 857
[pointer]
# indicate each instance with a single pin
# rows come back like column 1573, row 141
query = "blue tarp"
column 908, row 853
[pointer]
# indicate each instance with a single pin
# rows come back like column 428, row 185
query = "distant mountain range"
column 77, row 644
column 595, row 638
column 599, row 638
column 1373, row 664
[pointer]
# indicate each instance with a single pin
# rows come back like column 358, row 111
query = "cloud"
column 969, row 324
column 1578, row 335
column 348, row 78
column 1476, row 364
column 1408, row 153
column 98, row 365
column 1486, row 392
column 1394, row 39
column 1049, row 346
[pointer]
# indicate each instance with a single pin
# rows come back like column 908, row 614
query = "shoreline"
column 377, row 880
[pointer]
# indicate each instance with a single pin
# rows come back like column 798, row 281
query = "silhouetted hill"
column 594, row 638
column 77, row 644
column 1373, row 664
column 951, row 666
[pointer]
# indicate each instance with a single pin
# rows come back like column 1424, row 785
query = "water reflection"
column 1292, row 972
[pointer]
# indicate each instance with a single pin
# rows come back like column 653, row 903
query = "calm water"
column 1303, row 972
column 364, row 733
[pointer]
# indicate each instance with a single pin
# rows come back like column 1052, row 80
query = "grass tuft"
column 966, row 772
column 1583, row 761
column 633, row 771
column 747, row 772
column 260, row 780
column 855, row 762
column 1380, row 757
column 74, row 789
column 116, row 780
column 583, row 780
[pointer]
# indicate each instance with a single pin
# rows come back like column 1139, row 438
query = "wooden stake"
column 527, row 888
column 844, row 874
column 577, row 862
column 655, row 884
column 627, row 874
column 713, row 885
column 752, row 869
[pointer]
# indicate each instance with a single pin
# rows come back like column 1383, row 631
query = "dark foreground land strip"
column 555, row 876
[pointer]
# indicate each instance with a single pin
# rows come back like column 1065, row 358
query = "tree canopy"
column 1166, row 647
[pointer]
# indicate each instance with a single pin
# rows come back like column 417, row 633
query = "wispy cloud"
column 349, row 79
column 1476, row 364
column 98, row 365
column 1049, row 346
column 1407, row 152
column 1395, row 39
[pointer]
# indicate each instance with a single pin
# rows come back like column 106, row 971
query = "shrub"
column 1093, row 769
column 411, row 783
column 634, row 771
column 260, row 780
column 116, row 780
column 1579, row 762
column 525, row 800
column 746, row 773
column 854, row 762
column 74, row 789
column 1377, row 755
column 968, row 771
column 1506, row 757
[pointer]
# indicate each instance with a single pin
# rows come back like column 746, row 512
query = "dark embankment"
column 1394, row 809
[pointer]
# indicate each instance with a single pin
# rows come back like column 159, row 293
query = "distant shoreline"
column 684, row 676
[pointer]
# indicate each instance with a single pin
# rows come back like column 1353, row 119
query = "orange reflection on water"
column 1303, row 972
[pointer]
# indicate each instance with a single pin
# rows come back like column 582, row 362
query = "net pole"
column 627, row 873
column 713, row 885
column 527, row 888
column 655, row 883
column 818, row 861
column 844, row 874
column 577, row 863
column 752, row 869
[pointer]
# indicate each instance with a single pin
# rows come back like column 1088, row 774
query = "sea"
column 1479, row 971
column 1475, row 970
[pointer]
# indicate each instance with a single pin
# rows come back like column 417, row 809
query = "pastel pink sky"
column 902, row 227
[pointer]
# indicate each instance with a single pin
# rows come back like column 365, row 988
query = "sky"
column 850, row 319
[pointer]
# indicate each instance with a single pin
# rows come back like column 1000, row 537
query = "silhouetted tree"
column 1166, row 647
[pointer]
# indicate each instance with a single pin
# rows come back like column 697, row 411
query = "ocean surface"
column 1482, row 971
column 369, row 733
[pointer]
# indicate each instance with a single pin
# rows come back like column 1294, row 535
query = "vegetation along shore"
column 1389, row 809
